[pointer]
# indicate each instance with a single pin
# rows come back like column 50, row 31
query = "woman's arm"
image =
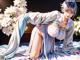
column 42, row 18
column 69, row 36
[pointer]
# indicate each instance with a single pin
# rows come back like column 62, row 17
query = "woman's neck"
column 64, row 18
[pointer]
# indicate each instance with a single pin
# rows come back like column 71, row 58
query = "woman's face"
column 68, row 12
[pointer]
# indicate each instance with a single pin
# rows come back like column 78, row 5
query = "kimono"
column 37, row 18
column 49, row 41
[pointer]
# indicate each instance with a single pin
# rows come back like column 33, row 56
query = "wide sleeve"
column 42, row 18
column 68, row 41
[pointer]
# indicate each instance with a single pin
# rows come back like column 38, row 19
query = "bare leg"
column 35, row 43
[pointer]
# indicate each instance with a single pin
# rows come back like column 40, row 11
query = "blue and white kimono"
column 39, row 19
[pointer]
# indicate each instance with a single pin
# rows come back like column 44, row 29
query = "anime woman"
column 43, row 35
column 49, row 26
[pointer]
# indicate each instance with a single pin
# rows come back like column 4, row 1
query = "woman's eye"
column 69, row 11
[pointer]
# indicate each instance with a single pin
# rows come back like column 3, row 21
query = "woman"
column 43, row 36
column 49, row 26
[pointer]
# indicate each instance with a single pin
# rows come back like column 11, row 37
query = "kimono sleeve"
column 42, row 18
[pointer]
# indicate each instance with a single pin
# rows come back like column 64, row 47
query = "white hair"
column 69, row 4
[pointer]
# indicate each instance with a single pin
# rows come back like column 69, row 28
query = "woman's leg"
column 35, row 43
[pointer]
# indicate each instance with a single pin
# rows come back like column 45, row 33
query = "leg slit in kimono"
column 35, row 43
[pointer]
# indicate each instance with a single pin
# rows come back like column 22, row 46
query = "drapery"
column 15, row 39
column 34, row 18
